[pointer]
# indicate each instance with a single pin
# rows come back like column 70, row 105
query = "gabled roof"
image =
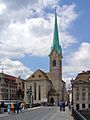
column 83, row 76
column 38, row 75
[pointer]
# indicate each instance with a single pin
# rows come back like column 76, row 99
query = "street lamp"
column 29, row 94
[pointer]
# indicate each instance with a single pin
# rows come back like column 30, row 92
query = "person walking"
column 60, row 105
column 12, row 107
column 63, row 105
column 8, row 108
column 2, row 107
column 18, row 107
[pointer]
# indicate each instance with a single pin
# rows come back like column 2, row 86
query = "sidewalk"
column 62, row 115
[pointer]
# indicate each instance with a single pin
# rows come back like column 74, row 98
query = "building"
column 81, row 91
column 10, row 87
column 48, row 87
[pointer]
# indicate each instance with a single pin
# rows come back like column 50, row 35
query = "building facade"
column 9, row 87
column 81, row 91
column 49, row 86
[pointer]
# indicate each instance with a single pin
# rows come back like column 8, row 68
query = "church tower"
column 56, row 61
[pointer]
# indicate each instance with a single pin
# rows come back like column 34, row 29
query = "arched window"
column 83, row 105
column 54, row 63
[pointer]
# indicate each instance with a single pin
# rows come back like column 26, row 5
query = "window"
column 39, row 94
column 77, row 96
column 83, row 105
column 83, row 89
column 89, row 96
column 32, row 75
column 77, row 89
column 89, row 106
column 83, row 96
column 34, row 91
column 22, row 85
column 39, row 75
column 88, row 89
column 54, row 63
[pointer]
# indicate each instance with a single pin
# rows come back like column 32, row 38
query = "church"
column 48, row 87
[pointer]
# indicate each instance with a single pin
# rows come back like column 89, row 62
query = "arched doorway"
column 77, row 106
column 52, row 101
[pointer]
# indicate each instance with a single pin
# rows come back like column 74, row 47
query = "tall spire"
column 56, row 36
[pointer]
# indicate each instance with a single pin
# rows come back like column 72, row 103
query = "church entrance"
column 52, row 101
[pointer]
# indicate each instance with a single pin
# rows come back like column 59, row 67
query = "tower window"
column 54, row 63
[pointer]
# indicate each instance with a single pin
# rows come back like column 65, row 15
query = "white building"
column 81, row 91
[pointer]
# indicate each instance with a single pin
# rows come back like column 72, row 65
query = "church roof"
column 38, row 75
column 56, row 37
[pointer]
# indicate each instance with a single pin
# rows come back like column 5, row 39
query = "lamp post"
column 29, row 94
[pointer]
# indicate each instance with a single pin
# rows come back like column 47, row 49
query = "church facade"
column 48, row 87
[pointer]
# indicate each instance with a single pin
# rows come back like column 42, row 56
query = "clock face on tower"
column 54, row 54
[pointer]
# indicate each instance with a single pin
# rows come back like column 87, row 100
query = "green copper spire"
column 56, row 37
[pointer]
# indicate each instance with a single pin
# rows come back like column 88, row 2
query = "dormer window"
column 54, row 63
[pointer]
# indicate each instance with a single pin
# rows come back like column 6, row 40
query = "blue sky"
column 26, row 34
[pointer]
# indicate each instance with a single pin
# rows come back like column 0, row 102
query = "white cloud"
column 33, row 36
column 2, row 8
column 50, row 2
column 78, row 61
column 15, row 68
column 68, row 15
column 25, row 28
column 66, row 39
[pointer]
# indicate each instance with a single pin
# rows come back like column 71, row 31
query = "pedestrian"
column 15, row 107
column 18, row 107
column 60, row 105
column 69, row 105
column 8, row 108
column 12, row 107
column 22, row 107
column 63, row 105
column 2, row 107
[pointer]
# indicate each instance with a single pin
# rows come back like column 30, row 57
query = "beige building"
column 81, row 91
column 9, row 87
column 48, row 87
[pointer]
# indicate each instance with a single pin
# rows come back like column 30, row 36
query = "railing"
column 77, row 115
